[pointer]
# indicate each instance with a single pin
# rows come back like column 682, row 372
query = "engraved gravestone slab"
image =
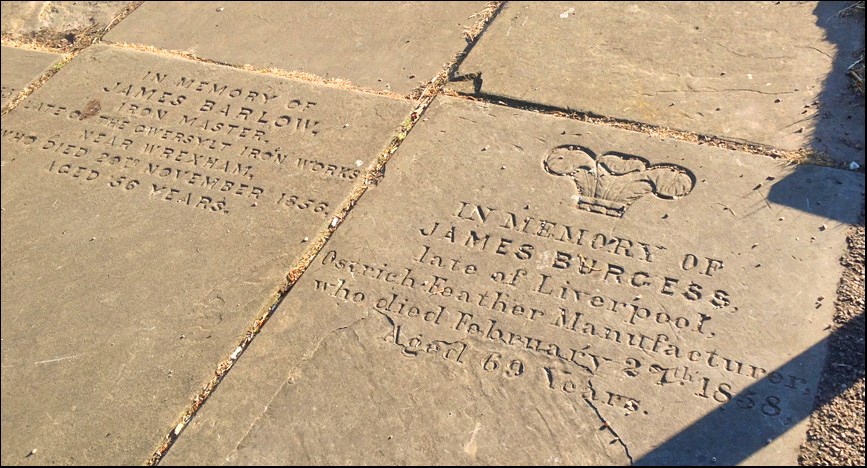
column 773, row 73
column 19, row 68
column 528, row 289
column 151, row 208
column 394, row 46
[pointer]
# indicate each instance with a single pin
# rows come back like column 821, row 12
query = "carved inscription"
column 608, row 184
column 190, row 142
column 533, row 309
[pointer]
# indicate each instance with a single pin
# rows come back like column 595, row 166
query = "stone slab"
column 151, row 208
column 772, row 73
column 394, row 46
column 525, row 289
column 19, row 68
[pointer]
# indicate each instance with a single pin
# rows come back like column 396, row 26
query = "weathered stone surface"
column 505, row 296
column 394, row 46
column 27, row 17
column 767, row 72
column 137, row 248
column 19, row 68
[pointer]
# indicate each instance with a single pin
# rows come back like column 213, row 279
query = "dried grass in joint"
column 292, row 75
column 795, row 157
column 373, row 175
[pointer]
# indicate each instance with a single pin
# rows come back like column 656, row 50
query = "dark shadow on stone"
column 748, row 422
column 839, row 126
column 839, row 122
column 802, row 188
column 755, row 417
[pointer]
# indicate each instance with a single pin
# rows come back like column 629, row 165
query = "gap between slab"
column 470, row 34
column 290, row 74
column 796, row 157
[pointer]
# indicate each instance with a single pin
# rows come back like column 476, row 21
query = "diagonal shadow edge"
column 748, row 422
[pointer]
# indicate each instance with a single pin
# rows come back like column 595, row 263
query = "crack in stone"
column 826, row 54
column 606, row 425
column 394, row 327
column 755, row 56
column 290, row 378
column 713, row 90
column 309, row 356
column 387, row 317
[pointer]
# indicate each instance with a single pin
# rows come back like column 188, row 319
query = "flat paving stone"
column 395, row 46
column 773, row 73
column 151, row 208
column 19, row 68
column 527, row 289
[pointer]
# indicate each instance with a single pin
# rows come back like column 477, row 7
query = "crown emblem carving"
column 610, row 183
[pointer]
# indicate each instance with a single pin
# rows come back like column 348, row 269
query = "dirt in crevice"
column 836, row 433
